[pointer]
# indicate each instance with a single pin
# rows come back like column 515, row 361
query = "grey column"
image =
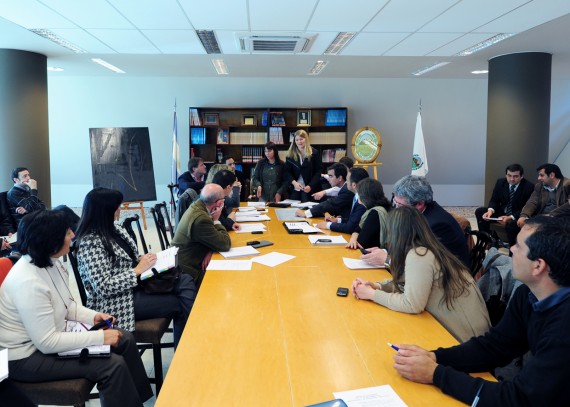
column 24, row 132
column 518, row 115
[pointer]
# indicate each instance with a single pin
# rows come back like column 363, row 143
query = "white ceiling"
column 394, row 37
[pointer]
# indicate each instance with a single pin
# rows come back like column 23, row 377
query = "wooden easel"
column 137, row 205
column 365, row 166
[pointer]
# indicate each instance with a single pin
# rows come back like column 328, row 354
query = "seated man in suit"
column 332, row 191
column 416, row 191
column 23, row 196
column 551, row 192
column 337, row 206
column 535, row 323
column 348, row 225
column 7, row 226
column 509, row 196
column 194, row 178
column 200, row 232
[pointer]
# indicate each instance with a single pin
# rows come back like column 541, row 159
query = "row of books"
column 332, row 155
column 276, row 135
column 252, row 154
column 335, row 137
column 197, row 135
column 195, row 118
column 335, row 117
column 250, row 137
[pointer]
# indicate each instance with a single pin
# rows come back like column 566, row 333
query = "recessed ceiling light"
column 318, row 67
column 54, row 69
column 220, row 66
column 341, row 40
column 484, row 44
column 429, row 68
column 47, row 34
column 107, row 65
column 209, row 41
column 480, row 72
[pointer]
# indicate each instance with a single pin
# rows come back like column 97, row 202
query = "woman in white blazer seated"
column 36, row 306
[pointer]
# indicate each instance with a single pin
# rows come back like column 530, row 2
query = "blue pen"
column 393, row 347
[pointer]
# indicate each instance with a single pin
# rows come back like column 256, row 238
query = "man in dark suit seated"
column 194, row 178
column 23, row 196
column 509, row 196
column 348, row 225
column 416, row 191
column 341, row 204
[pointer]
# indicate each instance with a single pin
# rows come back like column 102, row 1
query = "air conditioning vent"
column 274, row 44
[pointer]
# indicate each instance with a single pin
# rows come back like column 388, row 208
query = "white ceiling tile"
column 175, row 41
column 152, row 14
column 530, row 15
column 90, row 13
column 125, row 41
column 407, row 16
column 217, row 14
column 341, row 15
column 468, row 15
column 421, row 44
column 461, row 43
column 294, row 17
column 83, row 40
column 372, row 43
column 32, row 14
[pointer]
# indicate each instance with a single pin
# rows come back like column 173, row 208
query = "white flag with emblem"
column 419, row 158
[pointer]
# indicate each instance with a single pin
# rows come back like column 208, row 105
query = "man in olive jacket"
column 200, row 233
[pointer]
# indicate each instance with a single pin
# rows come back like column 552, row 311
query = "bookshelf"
column 241, row 132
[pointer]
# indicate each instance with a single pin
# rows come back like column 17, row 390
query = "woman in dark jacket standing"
column 267, row 181
column 302, row 168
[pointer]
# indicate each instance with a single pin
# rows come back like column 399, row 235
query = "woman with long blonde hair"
column 302, row 168
column 426, row 276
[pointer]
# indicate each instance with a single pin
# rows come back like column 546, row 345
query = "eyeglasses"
column 396, row 204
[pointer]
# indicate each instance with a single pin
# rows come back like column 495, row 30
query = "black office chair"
column 128, row 225
column 161, row 220
column 172, row 198
column 479, row 251
column 148, row 333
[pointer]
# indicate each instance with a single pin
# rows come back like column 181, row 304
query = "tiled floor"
column 151, row 237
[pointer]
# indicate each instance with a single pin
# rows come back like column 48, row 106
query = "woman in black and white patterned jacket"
column 109, row 265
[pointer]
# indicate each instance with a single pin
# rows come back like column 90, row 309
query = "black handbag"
column 161, row 282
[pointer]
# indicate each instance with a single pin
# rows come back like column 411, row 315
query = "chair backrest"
column 172, row 198
column 479, row 250
column 158, row 212
column 73, row 261
column 128, row 225
column 5, row 209
column 5, row 266
column 184, row 203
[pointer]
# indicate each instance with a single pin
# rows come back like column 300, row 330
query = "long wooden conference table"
column 282, row 337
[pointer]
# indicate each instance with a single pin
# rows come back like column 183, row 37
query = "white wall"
column 453, row 112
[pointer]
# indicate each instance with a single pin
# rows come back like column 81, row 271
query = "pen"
column 476, row 399
column 393, row 347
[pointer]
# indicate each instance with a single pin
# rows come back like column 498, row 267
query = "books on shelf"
column 197, row 135
column 332, row 137
column 252, row 154
column 335, row 117
column 248, row 137
column 276, row 135
column 264, row 117
column 195, row 117
column 277, row 119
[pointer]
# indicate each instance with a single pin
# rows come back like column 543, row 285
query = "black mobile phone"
column 342, row 292
column 257, row 232
column 323, row 241
column 253, row 243
column 363, row 251
column 103, row 324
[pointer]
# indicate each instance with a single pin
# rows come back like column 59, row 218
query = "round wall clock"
column 366, row 145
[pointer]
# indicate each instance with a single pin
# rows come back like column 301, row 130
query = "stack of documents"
column 304, row 204
column 256, row 204
column 303, row 227
column 165, row 260
column 290, row 201
column 94, row 350
column 253, row 216
column 251, row 227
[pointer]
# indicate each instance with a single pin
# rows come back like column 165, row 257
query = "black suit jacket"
column 310, row 170
column 338, row 205
column 349, row 225
column 500, row 197
column 447, row 230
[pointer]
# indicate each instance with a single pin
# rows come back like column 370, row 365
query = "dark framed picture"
column 249, row 120
column 211, row 119
column 223, row 135
column 303, row 117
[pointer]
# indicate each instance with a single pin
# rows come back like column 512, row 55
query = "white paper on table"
column 247, row 208
column 10, row 239
column 254, row 218
column 383, row 396
column 333, row 240
column 3, row 364
column 273, row 259
column 304, row 204
column 240, row 252
column 251, row 227
column 229, row 265
column 289, row 201
column 355, row 264
column 303, row 226
column 287, row 214
column 256, row 204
